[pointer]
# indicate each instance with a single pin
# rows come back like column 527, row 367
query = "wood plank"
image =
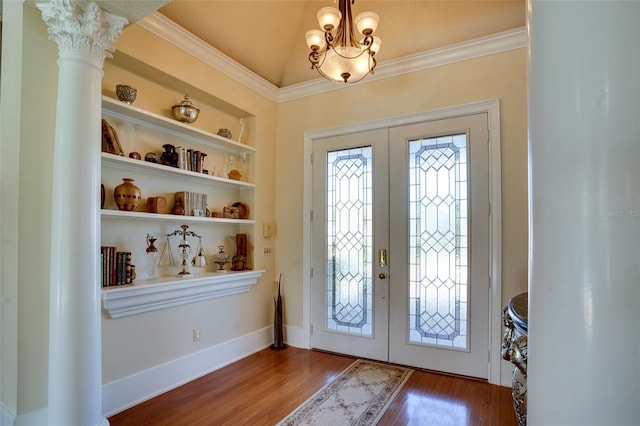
column 264, row 387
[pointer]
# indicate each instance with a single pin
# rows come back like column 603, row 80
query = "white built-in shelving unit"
column 170, row 289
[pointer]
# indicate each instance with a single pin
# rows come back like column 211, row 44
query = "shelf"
column 115, row 108
column 127, row 163
column 122, row 214
column 145, row 296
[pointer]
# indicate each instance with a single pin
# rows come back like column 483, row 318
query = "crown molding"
column 173, row 33
column 484, row 46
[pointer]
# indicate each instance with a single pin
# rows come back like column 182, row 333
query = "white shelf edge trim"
column 125, row 301
column 127, row 112
column 126, row 163
column 120, row 214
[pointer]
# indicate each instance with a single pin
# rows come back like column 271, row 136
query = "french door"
column 400, row 245
column 350, row 220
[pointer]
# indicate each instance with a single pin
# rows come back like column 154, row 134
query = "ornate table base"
column 514, row 349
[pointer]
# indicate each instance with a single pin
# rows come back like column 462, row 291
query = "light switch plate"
column 267, row 229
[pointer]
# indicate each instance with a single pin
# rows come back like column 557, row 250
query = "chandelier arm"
column 314, row 58
column 328, row 37
column 367, row 41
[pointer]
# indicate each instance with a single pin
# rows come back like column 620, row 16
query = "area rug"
column 358, row 396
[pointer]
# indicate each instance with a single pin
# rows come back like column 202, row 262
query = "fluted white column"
column 584, row 146
column 84, row 34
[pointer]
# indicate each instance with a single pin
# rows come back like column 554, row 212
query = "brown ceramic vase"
column 127, row 195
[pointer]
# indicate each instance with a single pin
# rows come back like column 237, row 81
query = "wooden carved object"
column 239, row 262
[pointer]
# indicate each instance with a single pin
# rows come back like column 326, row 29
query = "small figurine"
column 178, row 208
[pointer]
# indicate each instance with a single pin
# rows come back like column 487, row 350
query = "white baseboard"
column 295, row 336
column 32, row 418
column 6, row 418
column 132, row 390
column 37, row 417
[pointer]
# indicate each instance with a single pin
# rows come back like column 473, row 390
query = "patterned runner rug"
column 358, row 396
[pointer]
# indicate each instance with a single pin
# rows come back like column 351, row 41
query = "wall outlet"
column 196, row 334
column 266, row 251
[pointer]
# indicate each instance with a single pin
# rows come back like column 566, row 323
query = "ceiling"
column 267, row 36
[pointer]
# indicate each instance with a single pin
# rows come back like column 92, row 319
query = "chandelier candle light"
column 335, row 51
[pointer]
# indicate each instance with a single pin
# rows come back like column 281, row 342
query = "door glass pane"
column 438, row 236
column 349, row 241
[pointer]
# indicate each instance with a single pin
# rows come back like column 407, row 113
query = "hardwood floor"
column 264, row 387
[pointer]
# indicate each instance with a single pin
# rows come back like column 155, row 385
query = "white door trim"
column 492, row 108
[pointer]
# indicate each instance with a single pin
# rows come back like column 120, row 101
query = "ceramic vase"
column 127, row 195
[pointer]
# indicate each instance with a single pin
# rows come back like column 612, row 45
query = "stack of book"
column 116, row 267
column 190, row 159
column 194, row 203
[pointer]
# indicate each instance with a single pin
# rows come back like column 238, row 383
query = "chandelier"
column 335, row 51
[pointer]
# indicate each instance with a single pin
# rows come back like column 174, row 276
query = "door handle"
column 382, row 258
column 382, row 276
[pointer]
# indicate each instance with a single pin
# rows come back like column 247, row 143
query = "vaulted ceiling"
column 267, row 36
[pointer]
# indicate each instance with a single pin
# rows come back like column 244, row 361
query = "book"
column 128, row 269
column 189, row 159
column 108, row 267
column 119, row 268
column 123, row 276
column 198, row 162
column 115, row 267
column 194, row 203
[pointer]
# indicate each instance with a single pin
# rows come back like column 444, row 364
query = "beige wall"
column 163, row 73
column 501, row 76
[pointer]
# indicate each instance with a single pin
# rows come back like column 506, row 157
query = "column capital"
column 78, row 26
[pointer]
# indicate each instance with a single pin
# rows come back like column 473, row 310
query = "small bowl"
column 151, row 157
column 225, row 133
column 126, row 94
column 185, row 111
